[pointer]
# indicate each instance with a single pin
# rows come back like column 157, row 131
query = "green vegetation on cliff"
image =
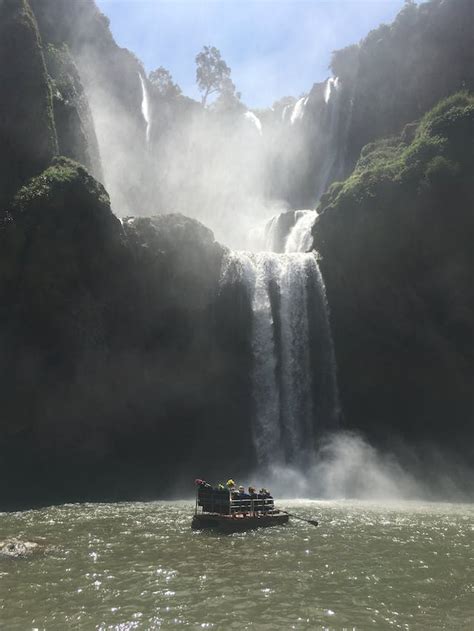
column 62, row 178
column 422, row 158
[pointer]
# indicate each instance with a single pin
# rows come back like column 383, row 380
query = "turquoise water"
column 139, row 566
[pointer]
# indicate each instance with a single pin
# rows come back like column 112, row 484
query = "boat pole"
column 313, row 522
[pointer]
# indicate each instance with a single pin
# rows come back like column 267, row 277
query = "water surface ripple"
column 139, row 566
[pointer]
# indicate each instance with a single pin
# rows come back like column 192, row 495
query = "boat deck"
column 237, row 522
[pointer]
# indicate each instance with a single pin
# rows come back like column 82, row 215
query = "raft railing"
column 221, row 503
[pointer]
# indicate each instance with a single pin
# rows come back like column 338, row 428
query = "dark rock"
column 27, row 132
column 74, row 126
column 16, row 549
column 397, row 258
column 401, row 70
column 116, row 368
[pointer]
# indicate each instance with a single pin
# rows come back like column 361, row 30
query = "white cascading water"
column 145, row 107
column 331, row 84
column 264, row 236
column 332, row 98
column 296, row 391
column 298, row 110
column 254, row 272
column 300, row 239
column 254, row 120
column 278, row 287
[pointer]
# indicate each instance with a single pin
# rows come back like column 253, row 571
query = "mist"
column 213, row 167
column 347, row 466
column 228, row 166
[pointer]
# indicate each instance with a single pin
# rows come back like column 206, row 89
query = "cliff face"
column 120, row 353
column 27, row 132
column 72, row 116
column 105, row 79
column 391, row 78
column 400, row 71
column 117, row 368
column 395, row 240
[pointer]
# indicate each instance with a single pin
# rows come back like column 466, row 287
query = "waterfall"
column 254, row 120
column 298, row 110
column 255, row 271
column 300, row 239
column 145, row 107
column 296, row 391
column 331, row 84
column 333, row 100
column 284, row 290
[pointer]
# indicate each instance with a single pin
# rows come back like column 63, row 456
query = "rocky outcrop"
column 99, row 75
column 27, row 131
column 396, row 246
column 72, row 116
column 116, row 367
column 17, row 549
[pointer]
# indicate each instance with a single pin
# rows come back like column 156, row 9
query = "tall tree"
column 212, row 72
column 163, row 83
column 228, row 99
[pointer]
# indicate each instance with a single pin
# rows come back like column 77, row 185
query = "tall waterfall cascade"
column 145, row 107
column 294, row 384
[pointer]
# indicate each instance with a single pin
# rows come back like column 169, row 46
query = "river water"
column 139, row 566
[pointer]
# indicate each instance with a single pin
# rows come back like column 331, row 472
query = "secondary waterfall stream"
column 145, row 107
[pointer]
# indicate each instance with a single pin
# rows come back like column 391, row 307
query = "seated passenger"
column 254, row 498
column 243, row 499
column 221, row 495
column 268, row 503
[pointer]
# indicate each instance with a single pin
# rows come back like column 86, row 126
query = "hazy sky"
column 274, row 47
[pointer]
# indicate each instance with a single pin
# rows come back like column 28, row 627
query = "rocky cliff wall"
column 122, row 361
column 27, row 132
column 395, row 240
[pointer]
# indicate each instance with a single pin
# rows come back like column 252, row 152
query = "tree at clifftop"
column 212, row 73
column 163, row 83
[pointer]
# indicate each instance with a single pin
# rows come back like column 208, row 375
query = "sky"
column 275, row 48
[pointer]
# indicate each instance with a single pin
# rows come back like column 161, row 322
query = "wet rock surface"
column 17, row 549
